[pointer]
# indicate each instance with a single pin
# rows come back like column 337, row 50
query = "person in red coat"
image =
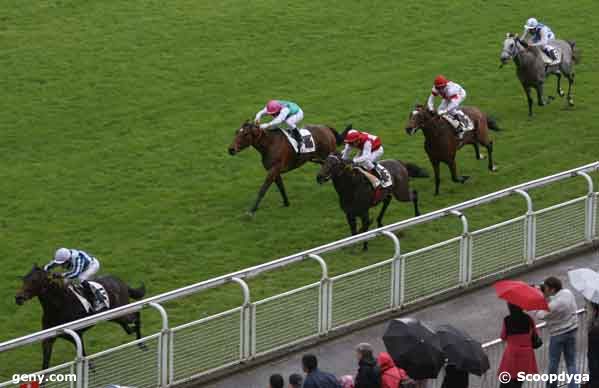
column 519, row 355
column 391, row 375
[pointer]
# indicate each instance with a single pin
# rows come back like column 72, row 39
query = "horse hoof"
column 251, row 214
column 286, row 204
column 494, row 168
column 464, row 178
column 561, row 93
column 571, row 102
column 482, row 157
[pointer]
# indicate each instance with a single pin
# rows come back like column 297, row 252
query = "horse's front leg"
column 365, row 226
column 477, row 150
column 570, row 83
column 437, row 175
column 273, row 173
column 540, row 99
column 528, row 99
column 281, row 187
column 47, row 345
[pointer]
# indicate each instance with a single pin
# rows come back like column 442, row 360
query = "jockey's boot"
column 88, row 293
column 298, row 138
column 456, row 123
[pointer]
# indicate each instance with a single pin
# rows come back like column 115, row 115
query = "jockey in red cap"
column 453, row 95
column 370, row 151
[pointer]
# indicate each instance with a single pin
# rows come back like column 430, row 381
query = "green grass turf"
column 116, row 116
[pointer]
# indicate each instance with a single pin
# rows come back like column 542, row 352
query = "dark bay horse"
column 60, row 305
column 278, row 156
column 441, row 143
column 531, row 69
column 356, row 193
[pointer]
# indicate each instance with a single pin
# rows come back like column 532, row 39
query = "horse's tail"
column 137, row 293
column 492, row 124
column 576, row 55
column 338, row 137
column 415, row 171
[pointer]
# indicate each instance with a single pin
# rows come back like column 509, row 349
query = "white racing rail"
column 179, row 354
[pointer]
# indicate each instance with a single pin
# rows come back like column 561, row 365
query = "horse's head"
column 245, row 136
column 332, row 166
column 510, row 48
column 417, row 118
column 34, row 284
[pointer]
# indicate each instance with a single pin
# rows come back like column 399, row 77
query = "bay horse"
column 441, row 143
column 532, row 71
column 278, row 156
column 60, row 305
column 356, row 194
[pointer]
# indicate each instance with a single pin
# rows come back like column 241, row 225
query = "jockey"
column 453, row 95
column 540, row 36
column 371, row 150
column 286, row 111
column 81, row 267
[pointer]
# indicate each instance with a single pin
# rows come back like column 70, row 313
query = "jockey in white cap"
column 81, row 267
column 540, row 36
column 453, row 95
column 286, row 112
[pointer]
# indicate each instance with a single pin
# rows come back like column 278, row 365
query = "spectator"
column 562, row 324
column 391, row 376
column 455, row 378
column 369, row 374
column 518, row 356
column 314, row 377
column 347, row 381
column 295, row 381
column 276, row 381
column 593, row 344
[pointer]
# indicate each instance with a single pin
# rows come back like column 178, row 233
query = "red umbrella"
column 521, row 294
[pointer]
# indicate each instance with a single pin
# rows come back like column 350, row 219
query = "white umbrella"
column 585, row 281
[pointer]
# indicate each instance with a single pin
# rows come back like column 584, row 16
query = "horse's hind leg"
column 570, row 83
column 281, row 187
column 491, row 165
column 379, row 219
column 477, row 151
column 454, row 173
column 560, row 91
column 414, row 197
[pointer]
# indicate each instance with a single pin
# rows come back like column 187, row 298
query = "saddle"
column 547, row 58
column 382, row 181
column 464, row 122
column 307, row 146
column 100, row 300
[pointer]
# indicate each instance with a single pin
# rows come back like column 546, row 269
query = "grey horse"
column 531, row 68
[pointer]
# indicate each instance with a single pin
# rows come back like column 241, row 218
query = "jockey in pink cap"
column 286, row 112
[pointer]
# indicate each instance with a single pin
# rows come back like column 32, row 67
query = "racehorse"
column 278, row 156
column 531, row 68
column 60, row 305
column 356, row 194
column 441, row 143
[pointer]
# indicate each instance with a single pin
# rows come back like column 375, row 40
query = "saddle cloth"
column 96, row 288
column 466, row 122
column 374, row 181
column 548, row 60
column 308, row 144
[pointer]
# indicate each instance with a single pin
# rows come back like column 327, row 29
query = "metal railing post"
column 324, row 298
column 245, row 321
column 163, row 346
column 465, row 259
column 589, row 217
column 530, row 229
column 396, row 298
column 79, row 370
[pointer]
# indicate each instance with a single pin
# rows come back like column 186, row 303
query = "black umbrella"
column 461, row 350
column 414, row 347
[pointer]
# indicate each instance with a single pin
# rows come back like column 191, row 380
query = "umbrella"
column 521, row 294
column 585, row 281
column 414, row 347
column 462, row 350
